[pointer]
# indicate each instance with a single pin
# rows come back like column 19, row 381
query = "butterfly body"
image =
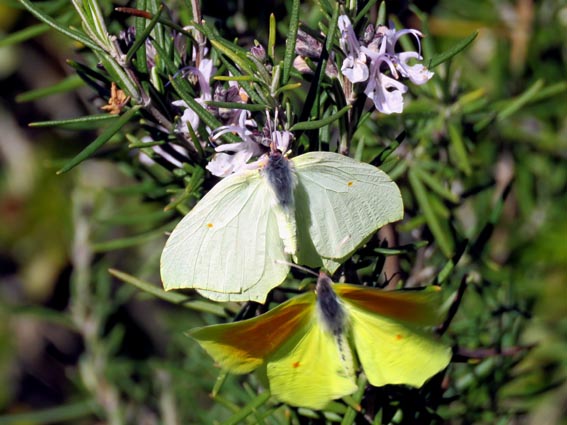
column 307, row 347
column 317, row 209
column 279, row 173
column 331, row 312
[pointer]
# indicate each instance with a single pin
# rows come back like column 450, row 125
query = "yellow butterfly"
column 304, row 346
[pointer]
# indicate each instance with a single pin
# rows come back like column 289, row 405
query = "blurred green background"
column 74, row 352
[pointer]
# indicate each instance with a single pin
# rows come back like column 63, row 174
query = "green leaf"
column 84, row 71
column 481, row 241
column 439, row 231
column 353, row 402
column 235, row 105
column 121, row 77
column 159, row 34
column 291, row 39
column 55, row 415
column 23, row 35
column 171, row 297
column 234, row 78
column 381, row 19
column 549, row 91
column 46, row 315
column 100, row 140
column 140, row 25
column 388, row 150
column 130, row 241
column 68, row 84
column 93, row 22
column 250, row 408
column 287, row 87
column 141, row 39
column 239, row 58
column 73, row 34
column 364, row 11
column 221, row 379
column 272, row 38
column 311, row 104
column 315, row 124
column 135, row 218
column 458, row 144
column 520, row 101
column 448, row 54
column 89, row 122
column 450, row 265
column 438, row 187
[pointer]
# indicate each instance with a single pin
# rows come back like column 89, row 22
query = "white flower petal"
column 355, row 69
column 282, row 139
column 418, row 74
column 223, row 164
column 387, row 94
column 206, row 68
column 189, row 117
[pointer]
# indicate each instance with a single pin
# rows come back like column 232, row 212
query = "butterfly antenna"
column 304, row 269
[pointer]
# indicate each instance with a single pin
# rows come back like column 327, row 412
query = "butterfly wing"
column 388, row 329
column 340, row 203
column 228, row 246
column 309, row 370
column 241, row 347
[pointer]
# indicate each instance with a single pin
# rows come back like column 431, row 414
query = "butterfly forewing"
column 228, row 243
column 241, row 347
column 413, row 306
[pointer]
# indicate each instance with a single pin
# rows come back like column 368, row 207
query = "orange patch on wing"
column 296, row 365
column 260, row 336
column 210, row 225
column 420, row 307
column 399, row 337
column 349, row 184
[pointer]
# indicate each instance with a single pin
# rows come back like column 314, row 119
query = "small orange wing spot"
column 399, row 337
column 210, row 225
column 349, row 184
column 296, row 365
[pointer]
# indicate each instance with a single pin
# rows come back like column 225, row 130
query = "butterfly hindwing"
column 228, row 246
column 389, row 332
column 312, row 368
column 340, row 203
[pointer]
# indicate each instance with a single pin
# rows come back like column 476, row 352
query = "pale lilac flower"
column 387, row 93
column 147, row 159
column 224, row 164
column 282, row 140
column 355, row 69
column 418, row 74
column 189, row 117
column 203, row 74
column 374, row 60
column 234, row 157
column 354, row 66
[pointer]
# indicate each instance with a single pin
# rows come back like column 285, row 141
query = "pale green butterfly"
column 318, row 208
column 308, row 347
